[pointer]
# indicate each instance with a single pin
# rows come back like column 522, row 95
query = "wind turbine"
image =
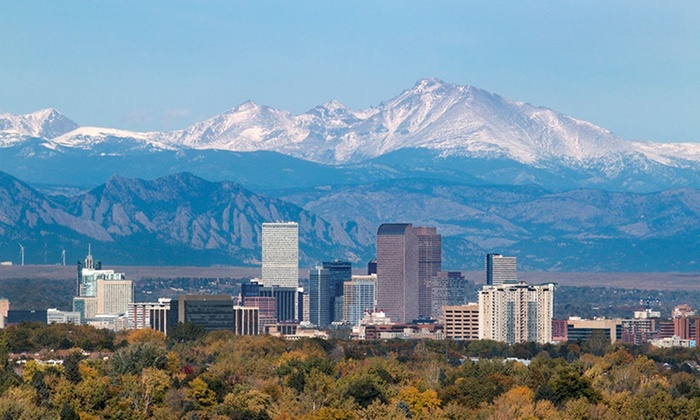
column 21, row 252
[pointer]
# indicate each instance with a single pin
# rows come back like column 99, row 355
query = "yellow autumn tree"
column 418, row 402
column 147, row 335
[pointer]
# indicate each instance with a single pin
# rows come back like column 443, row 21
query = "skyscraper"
column 359, row 297
column 448, row 288
column 339, row 272
column 319, row 296
column 114, row 296
column 516, row 313
column 429, row 264
column 500, row 269
column 280, row 254
column 397, row 271
column 101, row 292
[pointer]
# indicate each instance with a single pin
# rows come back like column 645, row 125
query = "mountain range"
column 493, row 174
column 167, row 221
column 184, row 220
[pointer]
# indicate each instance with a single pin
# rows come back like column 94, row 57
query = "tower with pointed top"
column 101, row 292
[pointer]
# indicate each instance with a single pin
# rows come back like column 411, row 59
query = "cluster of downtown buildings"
column 404, row 293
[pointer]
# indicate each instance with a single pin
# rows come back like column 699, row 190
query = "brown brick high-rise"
column 429, row 265
column 397, row 271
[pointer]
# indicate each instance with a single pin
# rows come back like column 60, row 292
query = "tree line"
column 192, row 374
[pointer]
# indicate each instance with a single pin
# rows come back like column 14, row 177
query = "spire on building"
column 89, row 262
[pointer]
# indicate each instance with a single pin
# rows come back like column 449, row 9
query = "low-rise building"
column 582, row 329
column 461, row 322
column 54, row 316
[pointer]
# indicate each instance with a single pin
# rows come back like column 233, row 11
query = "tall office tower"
column 359, row 297
column 114, row 296
column 397, row 271
column 101, row 292
column 516, row 313
column 448, row 288
column 89, row 274
column 500, row 269
column 339, row 272
column 429, row 264
column 320, row 296
column 280, row 254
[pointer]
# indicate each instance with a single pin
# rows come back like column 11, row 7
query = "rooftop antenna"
column 63, row 255
column 21, row 252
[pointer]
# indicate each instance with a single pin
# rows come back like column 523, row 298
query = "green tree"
column 185, row 332
column 568, row 384
column 133, row 359
column 42, row 391
column 365, row 390
column 68, row 412
column 4, row 352
column 71, row 366
column 202, row 395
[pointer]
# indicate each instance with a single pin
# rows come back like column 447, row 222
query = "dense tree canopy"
column 221, row 376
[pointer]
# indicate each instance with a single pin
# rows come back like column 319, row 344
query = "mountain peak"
column 430, row 84
column 334, row 105
column 46, row 113
column 46, row 123
column 247, row 106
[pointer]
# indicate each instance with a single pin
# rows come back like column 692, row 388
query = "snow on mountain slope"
column 452, row 119
column 432, row 114
column 89, row 137
column 247, row 127
column 674, row 154
column 46, row 123
column 468, row 120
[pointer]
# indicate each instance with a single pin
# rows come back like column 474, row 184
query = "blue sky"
column 630, row 66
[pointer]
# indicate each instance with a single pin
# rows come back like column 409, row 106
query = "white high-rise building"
column 89, row 275
column 114, row 296
column 359, row 297
column 280, row 254
column 500, row 269
column 101, row 292
column 516, row 313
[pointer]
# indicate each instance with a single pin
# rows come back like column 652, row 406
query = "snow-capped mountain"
column 46, row 123
column 448, row 119
column 435, row 115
